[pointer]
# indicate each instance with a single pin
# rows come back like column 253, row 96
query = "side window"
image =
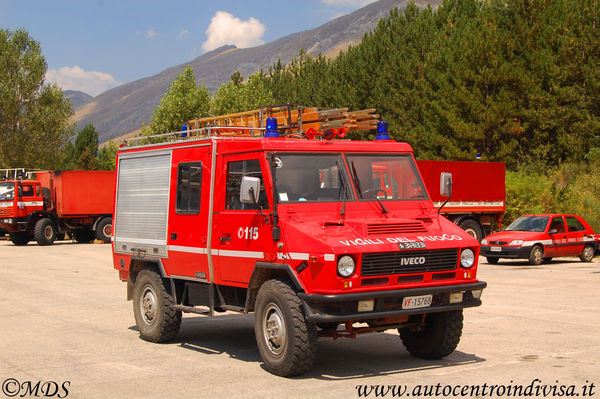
column 558, row 224
column 27, row 191
column 189, row 181
column 235, row 171
column 573, row 224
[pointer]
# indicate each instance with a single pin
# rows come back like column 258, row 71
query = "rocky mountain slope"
column 123, row 109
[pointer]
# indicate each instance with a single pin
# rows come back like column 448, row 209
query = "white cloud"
column 76, row 78
column 347, row 3
column 183, row 34
column 224, row 29
column 151, row 34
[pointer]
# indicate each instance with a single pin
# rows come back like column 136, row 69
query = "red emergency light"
column 328, row 134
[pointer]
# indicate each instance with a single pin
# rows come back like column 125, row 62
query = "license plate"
column 496, row 249
column 412, row 245
column 415, row 302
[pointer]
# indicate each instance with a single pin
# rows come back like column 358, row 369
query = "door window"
column 235, row 171
column 189, row 181
column 558, row 225
column 573, row 224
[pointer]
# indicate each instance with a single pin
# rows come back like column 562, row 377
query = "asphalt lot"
column 65, row 319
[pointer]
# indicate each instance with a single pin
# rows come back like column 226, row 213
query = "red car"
column 539, row 238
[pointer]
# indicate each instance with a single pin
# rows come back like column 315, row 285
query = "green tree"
column 182, row 102
column 34, row 117
column 83, row 154
column 107, row 156
column 237, row 96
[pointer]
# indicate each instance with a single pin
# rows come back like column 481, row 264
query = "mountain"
column 78, row 98
column 122, row 110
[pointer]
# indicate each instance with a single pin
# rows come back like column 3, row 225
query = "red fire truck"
column 477, row 196
column 42, row 205
column 288, row 222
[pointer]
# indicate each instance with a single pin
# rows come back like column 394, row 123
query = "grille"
column 7, row 212
column 498, row 242
column 394, row 228
column 385, row 263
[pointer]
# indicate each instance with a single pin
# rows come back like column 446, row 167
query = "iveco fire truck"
column 274, row 212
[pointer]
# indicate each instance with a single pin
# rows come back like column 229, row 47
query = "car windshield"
column 386, row 177
column 7, row 191
column 311, row 178
column 529, row 223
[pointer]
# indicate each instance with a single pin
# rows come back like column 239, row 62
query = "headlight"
column 346, row 266
column 484, row 241
column 467, row 258
column 516, row 243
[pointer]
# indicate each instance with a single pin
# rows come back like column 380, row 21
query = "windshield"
column 386, row 177
column 311, row 178
column 7, row 191
column 529, row 223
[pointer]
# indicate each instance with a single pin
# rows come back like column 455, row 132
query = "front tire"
column 536, row 256
column 44, row 232
column 285, row 339
column 153, row 310
column 587, row 255
column 20, row 238
column 436, row 339
column 104, row 230
column 492, row 261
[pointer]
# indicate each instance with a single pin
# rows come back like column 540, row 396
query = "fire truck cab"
column 298, row 231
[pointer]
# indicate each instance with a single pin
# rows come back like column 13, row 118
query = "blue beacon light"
column 271, row 128
column 184, row 129
column 382, row 131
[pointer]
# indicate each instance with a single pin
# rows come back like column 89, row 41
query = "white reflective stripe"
column 543, row 242
column 141, row 241
column 31, row 203
column 240, row 254
column 6, row 204
column 470, row 203
column 329, row 257
column 192, row 250
column 293, row 255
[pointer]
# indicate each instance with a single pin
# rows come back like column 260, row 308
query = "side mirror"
column 446, row 184
column 20, row 191
column 249, row 190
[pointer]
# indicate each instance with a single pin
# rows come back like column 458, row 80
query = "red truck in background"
column 477, row 195
column 46, row 204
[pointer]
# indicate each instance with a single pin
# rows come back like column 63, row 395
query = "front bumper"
column 344, row 307
column 506, row 252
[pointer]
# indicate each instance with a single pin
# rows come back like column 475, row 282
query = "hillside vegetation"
column 516, row 81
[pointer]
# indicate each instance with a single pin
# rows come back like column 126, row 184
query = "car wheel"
column 492, row 261
column 536, row 255
column 587, row 255
column 473, row 228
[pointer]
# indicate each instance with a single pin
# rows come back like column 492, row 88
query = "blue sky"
column 95, row 45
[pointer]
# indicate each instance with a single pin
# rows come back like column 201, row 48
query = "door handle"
column 173, row 236
column 224, row 239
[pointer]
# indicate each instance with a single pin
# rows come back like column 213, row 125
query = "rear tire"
column 104, row 230
column 44, row 232
column 285, row 339
column 587, row 255
column 20, row 238
column 436, row 339
column 536, row 256
column 473, row 228
column 153, row 310
column 83, row 236
column 492, row 261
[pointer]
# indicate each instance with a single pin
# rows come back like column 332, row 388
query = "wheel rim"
column 471, row 232
column 537, row 254
column 48, row 232
column 274, row 331
column 588, row 252
column 107, row 230
column 148, row 305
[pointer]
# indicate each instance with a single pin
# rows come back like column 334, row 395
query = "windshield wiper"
column 383, row 208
